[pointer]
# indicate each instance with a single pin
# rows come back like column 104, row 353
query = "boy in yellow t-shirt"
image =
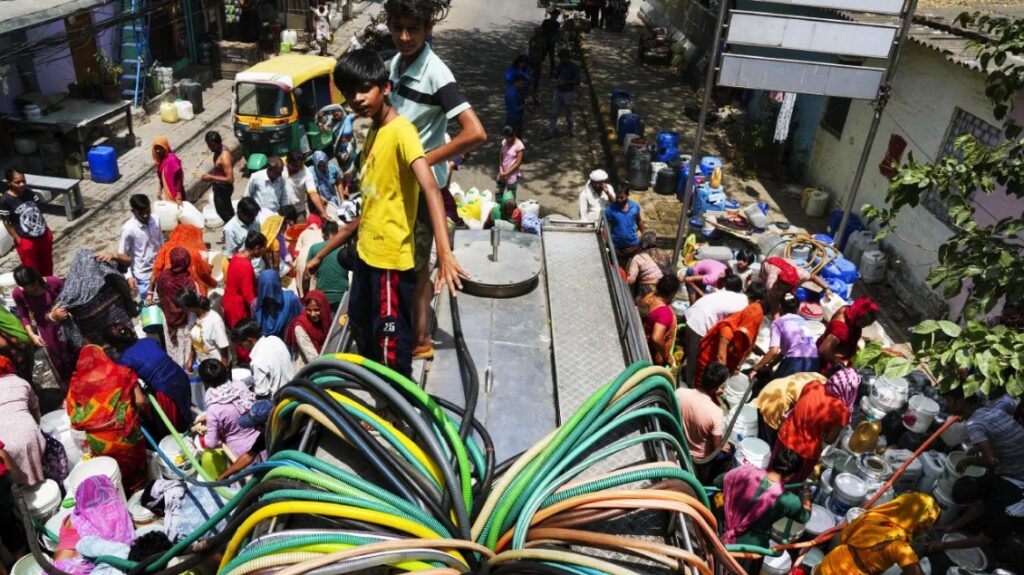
column 392, row 172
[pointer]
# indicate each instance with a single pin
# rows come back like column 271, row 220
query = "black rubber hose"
column 523, row 567
column 482, row 489
column 297, row 390
column 467, row 369
column 418, row 420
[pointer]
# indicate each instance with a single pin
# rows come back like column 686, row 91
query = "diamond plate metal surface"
column 587, row 349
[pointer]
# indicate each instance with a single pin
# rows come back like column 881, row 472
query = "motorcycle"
column 615, row 15
column 655, row 43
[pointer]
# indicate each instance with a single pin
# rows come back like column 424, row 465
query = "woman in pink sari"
column 755, row 499
column 99, row 525
column 168, row 170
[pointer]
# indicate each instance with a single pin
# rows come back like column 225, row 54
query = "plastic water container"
column 618, row 94
column 859, row 242
column 668, row 146
column 821, row 521
column 853, row 225
column 872, row 266
column 756, row 217
column 211, row 220
column 950, row 474
column 27, row 565
column 290, row 36
column 777, row 565
column 709, row 200
column 629, row 124
column 950, row 510
column 889, row 393
column 841, row 269
column 709, row 163
column 666, row 180
column 53, row 526
column 152, row 319
column 189, row 214
column 193, row 92
column 754, row 451
column 735, row 387
column 184, row 109
column 849, row 491
column 103, row 164
column 746, row 424
column 839, row 288
column 43, row 499
column 166, row 214
column 911, row 475
column 169, row 112
column 100, row 465
column 140, row 515
column 955, row 434
column 921, row 411
column 58, row 425
column 932, row 465
column 786, row 530
column 813, row 558
column 170, row 448
column 817, row 204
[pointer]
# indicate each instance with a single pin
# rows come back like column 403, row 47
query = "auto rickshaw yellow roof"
column 298, row 68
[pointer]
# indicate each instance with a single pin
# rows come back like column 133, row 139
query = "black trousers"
column 11, row 533
column 222, row 202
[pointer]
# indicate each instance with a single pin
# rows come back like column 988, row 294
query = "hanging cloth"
column 785, row 117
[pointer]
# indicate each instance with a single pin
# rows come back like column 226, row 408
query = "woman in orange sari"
column 730, row 340
column 191, row 238
column 103, row 401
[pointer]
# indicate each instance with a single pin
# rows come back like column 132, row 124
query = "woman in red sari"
column 240, row 283
column 191, row 238
column 730, row 341
column 307, row 333
column 838, row 345
column 103, row 401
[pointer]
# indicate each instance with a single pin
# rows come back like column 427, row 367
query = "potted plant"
column 109, row 78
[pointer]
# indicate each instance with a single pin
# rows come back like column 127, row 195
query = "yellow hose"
column 330, row 510
column 448, row 545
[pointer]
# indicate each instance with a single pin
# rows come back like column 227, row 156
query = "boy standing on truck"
column 394, row 170
column 425, row 91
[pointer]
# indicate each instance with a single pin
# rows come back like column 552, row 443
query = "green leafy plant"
column 874, row 357
column 984, row 261
column 108, row 73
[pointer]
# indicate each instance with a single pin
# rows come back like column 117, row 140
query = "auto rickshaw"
column 275, row 106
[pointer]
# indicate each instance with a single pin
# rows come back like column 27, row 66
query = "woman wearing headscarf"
column 275, row 308
column 95, row 295
column 817, row 418
column 20, row 434
column 307, row 332
column 755, row 499
column 327, row 177
column 15, row 344
column 644, row 269
column 838, row 344
column 100, row 521
column 312, row 235
column 844, row 385
column 103, row 401
column 191, row 238
column 158, row 374
column 169, row 172
column 272, row 228
column 881, row 538
column 34, row 300
column 177, row 321
column 730, row 341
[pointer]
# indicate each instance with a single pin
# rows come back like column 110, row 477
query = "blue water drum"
column 838, row 287
column 804, row 294
column 709, row 163
column 629, row 124
column 854, row 225
column 840, row 269
column 668, row 146
column 824, row 238
column 103, row 164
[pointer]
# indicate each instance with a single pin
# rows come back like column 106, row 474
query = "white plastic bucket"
column 824, row 492
column 777, row 565
column 921, row 411
column 955, row 434
column 753, row 451
column 746, row 424
column 174, row 453
column 58, row 424
column 821, row 521
column 100, row 465
column 950, row 510
column 950, row 474
column 869, row 410
column 973, row 559
column 27, row 566
column 932, row 465
column 140, row 515
column 43, row 499
column 889, row 393
column 735, row 387
column 853, row 513
column 849, row 491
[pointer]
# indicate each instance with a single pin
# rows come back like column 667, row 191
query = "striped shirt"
column 1004, row 434
column 428, row 96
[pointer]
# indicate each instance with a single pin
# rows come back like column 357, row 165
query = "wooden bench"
column 49, row 187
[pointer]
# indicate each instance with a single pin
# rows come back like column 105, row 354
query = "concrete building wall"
column 927, row 91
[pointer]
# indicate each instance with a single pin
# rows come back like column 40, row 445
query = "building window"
column 963, row 122
column 834, row 118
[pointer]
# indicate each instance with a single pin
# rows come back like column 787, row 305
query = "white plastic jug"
column 184, row 109
column 169, row 112
column 189, row 214
column 166, row 213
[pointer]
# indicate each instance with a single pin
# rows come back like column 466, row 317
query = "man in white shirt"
column 596, row 196
column 141, row 238
column 706, row 312
column 267, row 186
column 299, row 185
column 269, row 358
